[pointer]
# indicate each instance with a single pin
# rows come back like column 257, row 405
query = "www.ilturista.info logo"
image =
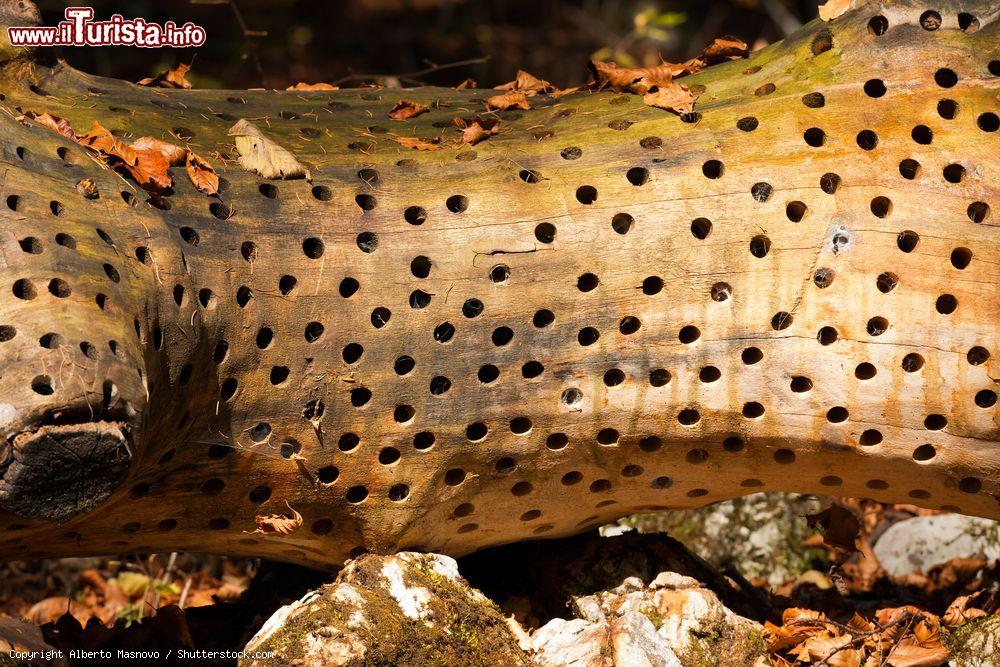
column 79, row 29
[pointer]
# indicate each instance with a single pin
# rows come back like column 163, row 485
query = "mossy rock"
column 975, row 644
column 408, row 609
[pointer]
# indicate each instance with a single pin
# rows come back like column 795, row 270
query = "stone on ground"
column 925, row 541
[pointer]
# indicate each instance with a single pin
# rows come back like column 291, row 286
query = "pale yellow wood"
column 922, row 429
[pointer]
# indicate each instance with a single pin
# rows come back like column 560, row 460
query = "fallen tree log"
column 602, row 308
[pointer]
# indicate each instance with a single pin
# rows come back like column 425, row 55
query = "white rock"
column 924, row 541
column 673, row 620
column 588, row 607
column 575, row 643
column 673, row 580
column 280, row 617
column 7, row 414
column 636, row 644
column 687, row 613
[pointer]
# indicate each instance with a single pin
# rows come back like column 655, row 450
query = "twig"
column 184, row 593
column 247, row 33
column 409, row 75
column 856, row 637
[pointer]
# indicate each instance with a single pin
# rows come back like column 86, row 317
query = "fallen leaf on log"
column 639, row 80
column 528, row 84
column 834, row 8
column 476, row 129
column 202, row 174
column 723, row 49
column 262, row 156
column 512, row 100
column 312, row 86
column 150, row 170
column 60, row 125
column 468, row 84
column 406, row 109
column 418, row 144
column 175, row 155
column 672, row 97
column 147, row 160
column 278, row 524
column 171, row 78
column 100, row 140
column 148, row 166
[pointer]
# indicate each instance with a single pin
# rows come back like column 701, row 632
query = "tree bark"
column 602, row 309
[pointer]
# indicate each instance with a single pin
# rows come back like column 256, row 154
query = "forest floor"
column 836, row 599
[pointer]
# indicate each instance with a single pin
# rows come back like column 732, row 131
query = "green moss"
column 967, row 641
column 726, row 648
column 755, row 640
column 654, row 616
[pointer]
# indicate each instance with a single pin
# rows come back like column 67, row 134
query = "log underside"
column 604, row 309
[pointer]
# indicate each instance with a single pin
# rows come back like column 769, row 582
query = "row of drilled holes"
column 420, row 267
column 454, row 477
column 968, row 484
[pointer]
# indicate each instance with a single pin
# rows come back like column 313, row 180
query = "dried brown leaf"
column 639, row 80
column 148, row 165
column 175, row 155
column 278, row 524
column 468, row 84
column 405, row 109
column 908, row 653
column 418, row 144
column 672, row 97
column 201, row 174
column 797, row 626
column 301, row 85
column 962, row 610
column 568, row 91
column 834, row 8
column 60, row 125
column 171, row 78
column 476, row 129
column 511, row 100
column 723, row 49
column 100, row 140
column 50, row 609
column 840, row 527
column 150, row 170
column 527, row 84
column 829, row 649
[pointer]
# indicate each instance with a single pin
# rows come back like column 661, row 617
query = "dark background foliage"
column 326, row 41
